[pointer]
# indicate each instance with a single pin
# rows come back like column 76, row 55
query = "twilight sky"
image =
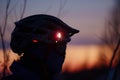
column 86, row 15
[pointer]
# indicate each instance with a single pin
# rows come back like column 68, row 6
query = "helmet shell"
column 35, row 24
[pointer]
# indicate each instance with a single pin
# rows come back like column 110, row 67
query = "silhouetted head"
column 42, row 38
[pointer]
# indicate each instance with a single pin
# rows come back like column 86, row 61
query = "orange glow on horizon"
column 77, row 57
column 85, row 57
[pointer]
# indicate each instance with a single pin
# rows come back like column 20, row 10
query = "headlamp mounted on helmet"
column 57, row 36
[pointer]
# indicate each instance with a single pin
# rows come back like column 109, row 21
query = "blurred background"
column 93, row 50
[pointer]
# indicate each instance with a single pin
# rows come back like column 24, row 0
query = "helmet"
column 39, row 28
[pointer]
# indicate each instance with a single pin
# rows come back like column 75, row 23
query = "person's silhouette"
column 43, row 39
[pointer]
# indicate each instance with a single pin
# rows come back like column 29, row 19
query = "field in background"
column 78, row 57
column 86, row 57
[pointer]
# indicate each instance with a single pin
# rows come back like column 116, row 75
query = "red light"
column 59, row 35
column 34, row 41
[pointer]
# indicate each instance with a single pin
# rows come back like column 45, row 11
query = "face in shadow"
column 51, row 56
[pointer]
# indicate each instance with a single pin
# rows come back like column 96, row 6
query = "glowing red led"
column 59, row 35
column 34, row 41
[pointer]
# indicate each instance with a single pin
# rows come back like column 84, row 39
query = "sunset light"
column 85, row 57
column 71, row 39
column 78, row 57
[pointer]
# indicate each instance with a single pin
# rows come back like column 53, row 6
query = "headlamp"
column 58, row 36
